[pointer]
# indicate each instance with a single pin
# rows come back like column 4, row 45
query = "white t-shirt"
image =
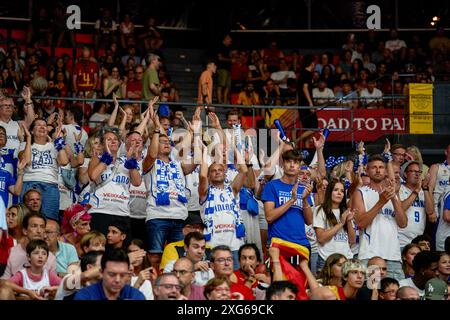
column 145, row 288
column 138, row 199
column 44, row 166
column 416, row 217
column 66, row 194
column 12, row 132
column 322, row 97
column 97, row 119
column 72, row 129
column 280, row 75
column 113, row 197
column 443, row 230
column 176, row 209
column 442, row 184
column 339, row 243
column 395, row 45
column 192, row 181
column 380, row 238
column 409, row 283
column 371, row 97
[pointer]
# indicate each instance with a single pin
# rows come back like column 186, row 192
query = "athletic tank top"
column 32, row 285
column 416, row 217
column 380, row 238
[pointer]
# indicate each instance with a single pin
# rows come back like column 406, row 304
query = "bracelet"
column 426, row 189
column 157, row 131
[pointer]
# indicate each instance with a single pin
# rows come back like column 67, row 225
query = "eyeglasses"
column 165, row 142
column 181, row 272
column 169, row 286
column 415, row 171
column 223, row 260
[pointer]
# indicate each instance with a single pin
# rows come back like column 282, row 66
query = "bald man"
column 65, row 253
column 407, row 293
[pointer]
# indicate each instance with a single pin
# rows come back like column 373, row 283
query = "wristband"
column 59, row 144
column 425, row 189
column 106, row 158
column 78, row 147
column 250, row 165
column 131, row 164
column 387, row 156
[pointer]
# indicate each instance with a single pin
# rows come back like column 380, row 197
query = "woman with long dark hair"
column 333, row 224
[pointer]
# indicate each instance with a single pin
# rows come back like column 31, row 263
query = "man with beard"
column 379, row 214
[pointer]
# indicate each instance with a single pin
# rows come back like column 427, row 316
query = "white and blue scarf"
column 209, row 214
column 162, row 182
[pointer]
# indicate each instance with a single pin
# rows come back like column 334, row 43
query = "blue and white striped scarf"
column 162, row 182
column 209, row 213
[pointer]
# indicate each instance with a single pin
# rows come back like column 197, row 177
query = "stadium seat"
column 234, row 98
column 47, row 49
column 80, row 52
column 336, row 60
column 18, row 34
column 60, row 51
column 101, row 52
column 84, row 38
column 247, row 121
column 3, row 33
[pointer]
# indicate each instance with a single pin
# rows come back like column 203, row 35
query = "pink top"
column 18, row 278
column 196, row 293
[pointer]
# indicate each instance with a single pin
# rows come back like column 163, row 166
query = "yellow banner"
column 421, row 108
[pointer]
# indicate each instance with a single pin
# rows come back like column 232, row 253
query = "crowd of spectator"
column 151, row 206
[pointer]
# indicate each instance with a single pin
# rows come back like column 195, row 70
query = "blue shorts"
column 162, row 231
column 49, row 197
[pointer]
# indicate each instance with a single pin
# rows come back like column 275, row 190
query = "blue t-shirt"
column 447, row 203
column 6, row 180
column 291, row 225
column 95, row 292
column 65, row 256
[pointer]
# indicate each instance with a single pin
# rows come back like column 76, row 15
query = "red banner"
column 368, row 125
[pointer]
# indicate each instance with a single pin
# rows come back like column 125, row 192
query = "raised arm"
column 26, row 153
column 28, row 106
column 112, row 118
column 203, row 178
column 152, row 153
column 132, row 165
column 319, row 145
column 98, row 165
column 62, row 157
column 239, row 180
